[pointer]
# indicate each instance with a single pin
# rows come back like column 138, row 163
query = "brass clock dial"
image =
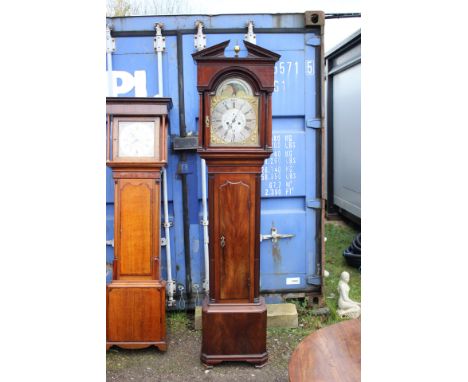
column 234, row 122
column 234, row 115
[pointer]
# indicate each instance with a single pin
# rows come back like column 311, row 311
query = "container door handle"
column 275, row 235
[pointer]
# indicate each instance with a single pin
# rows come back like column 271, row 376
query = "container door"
column 290, row 188
column 290, row 192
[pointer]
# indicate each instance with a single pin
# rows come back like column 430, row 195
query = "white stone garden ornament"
column 346, row 306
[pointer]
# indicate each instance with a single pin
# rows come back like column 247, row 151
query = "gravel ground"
column 181, row 362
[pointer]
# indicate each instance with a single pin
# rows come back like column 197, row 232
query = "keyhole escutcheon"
column 223, row 241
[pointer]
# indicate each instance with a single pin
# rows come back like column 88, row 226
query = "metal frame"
column 183, row 175
column 206, row 31
column 320, row 153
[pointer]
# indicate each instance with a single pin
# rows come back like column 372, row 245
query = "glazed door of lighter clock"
column 234, row 246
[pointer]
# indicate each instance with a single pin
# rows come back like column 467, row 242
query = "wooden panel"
column 146, row 315
column 135, row 313
column 137, row 228
column 235, row 212
column 264, row 74
column 119, row 316
column 138, row 106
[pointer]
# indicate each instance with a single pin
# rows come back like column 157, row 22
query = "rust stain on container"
column 276, row 251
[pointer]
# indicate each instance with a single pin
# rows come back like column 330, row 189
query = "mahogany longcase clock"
column 136, row 152
column 234, row 139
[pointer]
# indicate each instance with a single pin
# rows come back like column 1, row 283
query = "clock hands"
column 233, row 127
column 230, row 124
column 234, row 120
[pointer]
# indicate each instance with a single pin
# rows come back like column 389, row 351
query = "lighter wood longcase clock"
column 136, row 152
column 234, row 139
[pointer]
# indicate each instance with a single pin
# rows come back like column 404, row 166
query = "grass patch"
column 339, row 237
column 178, row 321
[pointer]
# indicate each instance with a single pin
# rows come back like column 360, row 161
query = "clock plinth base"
column 234, row 332
column 136, row 315
column 161, row 345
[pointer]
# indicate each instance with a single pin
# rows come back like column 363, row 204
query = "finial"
column 237, row 48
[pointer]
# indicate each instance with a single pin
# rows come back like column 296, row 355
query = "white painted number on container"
column 289, row 70
column 309, row 65
column 279, row 86
column 279, row 171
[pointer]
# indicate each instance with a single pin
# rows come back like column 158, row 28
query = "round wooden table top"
column 331, row 354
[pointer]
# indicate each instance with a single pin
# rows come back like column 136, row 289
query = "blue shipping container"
column 291, row 266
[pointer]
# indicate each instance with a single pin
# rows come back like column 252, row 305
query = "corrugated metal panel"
column 344, row 127
column 347, row 139
column 289, row 180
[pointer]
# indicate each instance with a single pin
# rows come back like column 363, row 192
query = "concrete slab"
column 282, row 316
column 278, row 316
column 198, row 315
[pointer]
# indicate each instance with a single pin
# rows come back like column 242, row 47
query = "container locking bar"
column 163, row 240
column 159, row 41
column 110, row 41
column 316, row 204
column 274, row 236
column 314, row 123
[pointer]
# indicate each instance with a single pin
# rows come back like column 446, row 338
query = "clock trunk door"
column 234, row 246
column 136, row 229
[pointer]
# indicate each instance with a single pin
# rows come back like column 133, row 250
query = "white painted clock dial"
column 136, row 139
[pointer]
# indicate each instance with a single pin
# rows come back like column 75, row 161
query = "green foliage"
column 119, row 8
column 178, row 321
column 339, row 237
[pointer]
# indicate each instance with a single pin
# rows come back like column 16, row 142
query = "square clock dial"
column 136, row 139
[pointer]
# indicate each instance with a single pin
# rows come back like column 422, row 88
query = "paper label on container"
column 293, row 280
